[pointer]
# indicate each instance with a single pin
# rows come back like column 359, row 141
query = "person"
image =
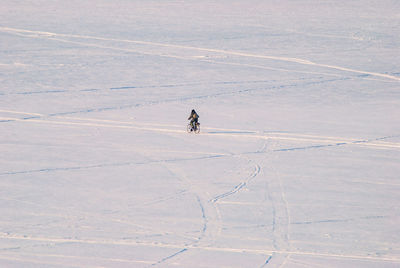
column 194, row 119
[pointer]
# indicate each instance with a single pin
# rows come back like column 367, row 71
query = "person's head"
column 193, row 111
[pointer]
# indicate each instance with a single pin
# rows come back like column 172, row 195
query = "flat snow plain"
column 298, row 159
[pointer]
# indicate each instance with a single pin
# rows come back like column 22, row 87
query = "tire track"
column 18, row 257
column 187, row 98
column 275, row 196
column 172, row 85
column 105, row 165
column 169, row 257
column 74, row 214
column 293, row 137
column 242, row 250
column 210, row 214
column 238, row 187
column 180, row 48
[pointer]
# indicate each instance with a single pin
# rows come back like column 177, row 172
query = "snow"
column 298, row 159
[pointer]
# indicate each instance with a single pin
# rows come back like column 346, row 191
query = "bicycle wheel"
column 189, row 128
column 197, row 130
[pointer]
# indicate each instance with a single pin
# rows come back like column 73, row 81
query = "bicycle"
column 196, row 128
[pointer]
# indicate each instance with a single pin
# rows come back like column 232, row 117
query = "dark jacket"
column 193, row 116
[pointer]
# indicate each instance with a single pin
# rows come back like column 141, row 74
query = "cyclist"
column 194, row 119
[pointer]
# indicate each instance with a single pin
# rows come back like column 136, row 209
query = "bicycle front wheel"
column 197, row 130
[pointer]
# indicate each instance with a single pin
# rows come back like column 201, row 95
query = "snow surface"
column 298, row 159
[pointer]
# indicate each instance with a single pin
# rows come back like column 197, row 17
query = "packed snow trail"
column 325, row 140
column 52, row 36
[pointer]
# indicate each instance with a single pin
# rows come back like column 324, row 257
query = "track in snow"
column 175, row 51
column 325, row 141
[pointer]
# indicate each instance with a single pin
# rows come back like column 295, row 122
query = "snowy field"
column 298, row 159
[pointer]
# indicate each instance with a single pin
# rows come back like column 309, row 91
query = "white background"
column 298, row 159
